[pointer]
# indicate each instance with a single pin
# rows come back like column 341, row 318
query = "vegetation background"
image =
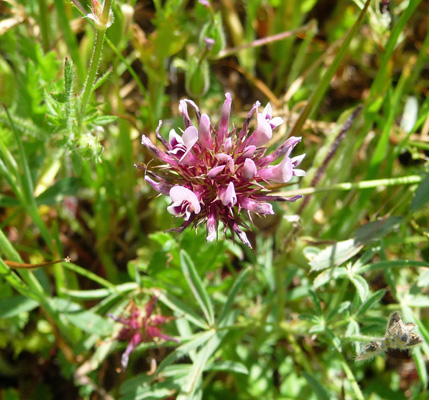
column 283, row 320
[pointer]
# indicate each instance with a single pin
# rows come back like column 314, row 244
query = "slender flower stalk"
column 102, row 16
column 216, row 174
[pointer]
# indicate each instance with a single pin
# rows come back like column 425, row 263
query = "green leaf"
column 229, row 366
column 231, row 296
column 417, row 300
column 90, row 322
column 182, row 309
column 421, row 197
column 196, row 286
column 329, row 275
column 335, row 255
column 183, row 350
column 318, row 388
column 316, row 302
column 361, row 286
column 105, row 119
column 56, row 193
column 194, row 381
column 371, row 302
column 11, row 306
column 376, row 230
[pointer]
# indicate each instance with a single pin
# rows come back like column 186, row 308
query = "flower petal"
column 215, row 171
column 174, row 139
column 268, row 112
column 263, row 132
column 163, row 188
column 227, row 159
column 249, row 168
column 227, row 145
column 242, row 236
column 285, row 149
column 281, row 173
column 190, row 137
column 222, row 131
column 183, row 109
column 258, row 207
column 158, row 153
column 229, row 197
column 211, row 226
column 275, row 122
column 180, row 194
column 204, row 133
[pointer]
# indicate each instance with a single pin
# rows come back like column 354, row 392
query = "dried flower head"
column 140, row 328
column 215, row 174
column 398, row 336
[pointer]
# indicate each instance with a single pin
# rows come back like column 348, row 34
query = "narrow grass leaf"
column 231, row 297
column 323, row 85
column 196, row 286
column 390, row 264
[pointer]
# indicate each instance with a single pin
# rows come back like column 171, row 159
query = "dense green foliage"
column 283, row 320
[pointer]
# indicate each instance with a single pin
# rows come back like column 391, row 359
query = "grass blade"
column 318, row 94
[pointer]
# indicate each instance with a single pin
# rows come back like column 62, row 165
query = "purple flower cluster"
column 140, row 328
column 215, row 174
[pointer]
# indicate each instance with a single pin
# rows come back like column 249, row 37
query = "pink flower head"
column 140, row 328
column 214, row 173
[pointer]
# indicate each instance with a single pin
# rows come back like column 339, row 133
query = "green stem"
column 93, row 68
column 27, row 284
column 44, row 24
column 403, row 180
